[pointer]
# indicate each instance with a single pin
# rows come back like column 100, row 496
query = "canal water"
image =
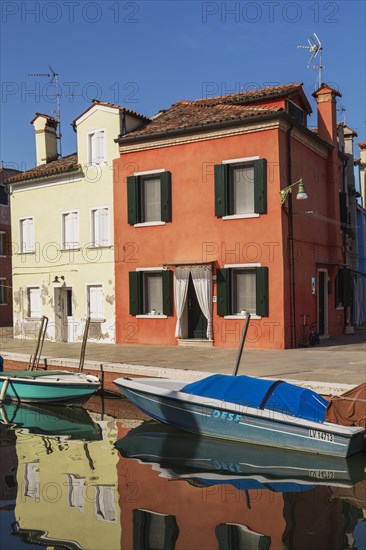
column 105, row 477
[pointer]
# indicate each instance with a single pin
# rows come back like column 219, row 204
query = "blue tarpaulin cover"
column 275, row 395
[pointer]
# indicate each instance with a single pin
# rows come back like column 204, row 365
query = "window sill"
column 3, row 256
column 151, row 316
column 3, row 304
column 148, row 224
column 240, row 216
column 95, row 247
column 339, row 308
column 97, row 320
column 33, row 318
column 26, row 252
column 75, row 249
column 252, row 316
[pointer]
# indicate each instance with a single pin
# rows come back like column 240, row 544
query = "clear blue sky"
column 146, row 55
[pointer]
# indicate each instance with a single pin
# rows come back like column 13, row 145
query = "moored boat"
column 245, row 409
column 29, row 386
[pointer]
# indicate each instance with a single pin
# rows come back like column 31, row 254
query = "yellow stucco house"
column 62, row 228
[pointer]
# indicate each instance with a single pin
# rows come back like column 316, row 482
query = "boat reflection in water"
column 66, row 477
column 79, row 479
column 204, row 493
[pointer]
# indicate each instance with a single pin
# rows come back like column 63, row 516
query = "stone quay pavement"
column 333, row 366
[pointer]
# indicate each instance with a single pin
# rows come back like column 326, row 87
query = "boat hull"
column 50, row 389
column 220, row 421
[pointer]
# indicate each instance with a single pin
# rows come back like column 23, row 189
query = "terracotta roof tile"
column 50, row 118
column 113, row 106
column 65, row 164
column 201, row 112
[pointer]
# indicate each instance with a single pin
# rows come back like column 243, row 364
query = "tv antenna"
column 54, row 79
column 315, row 47
column 341, row 109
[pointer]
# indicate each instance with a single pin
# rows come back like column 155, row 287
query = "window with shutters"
column 151, row 292
column 242, row 288
column 26, row 235
column 4, row 195
column 149, row 198
column 34, row 308
column 3, row 292
column 240, row 188
column 100, row 227
column 95, row 302
column 70, row 230
column 3, row 244
column 96, row 146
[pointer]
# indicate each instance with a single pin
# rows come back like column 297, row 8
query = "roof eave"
column 54, row 175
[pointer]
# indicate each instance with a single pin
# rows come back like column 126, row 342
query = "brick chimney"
column 327, row 113
column 46, row 138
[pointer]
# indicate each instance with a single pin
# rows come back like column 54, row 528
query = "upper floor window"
column 149, row 198
column 26, row 234
column 70, row 230
column 296, row 112
column 100, row 227
column 3, row 244
column 96, row 147
column 241, row 188
column 4, row 197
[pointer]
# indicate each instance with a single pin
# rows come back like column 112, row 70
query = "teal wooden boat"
column 29, row 386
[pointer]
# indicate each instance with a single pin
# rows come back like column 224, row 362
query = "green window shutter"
column 166, row 196
column 223, row 291
column 167, row 292
column 132, row 199
column 260, row 186
column 221, row 183
column 135, row 292
column 262, row 302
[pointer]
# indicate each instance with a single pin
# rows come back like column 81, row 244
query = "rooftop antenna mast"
column 315, row 47
column 54, row 79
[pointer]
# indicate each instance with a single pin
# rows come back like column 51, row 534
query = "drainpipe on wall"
column 291, row 243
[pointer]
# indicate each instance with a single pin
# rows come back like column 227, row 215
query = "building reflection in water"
column 83, row 493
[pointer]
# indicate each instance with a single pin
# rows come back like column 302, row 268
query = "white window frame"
column 92, row 227
column 29, row 308
column 3, row 290
column 76, row 244
column 147, row 173
column 88, row 286
column 150, row 315
column 89, row 147
column 23, row 249
column 242, row 266
column 242, row 160
column 3, row 245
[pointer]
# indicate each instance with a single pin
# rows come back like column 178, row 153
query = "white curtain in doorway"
column 202, row 280
column 181, row 279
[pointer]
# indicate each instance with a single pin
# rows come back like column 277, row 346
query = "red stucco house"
column 202, row 236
